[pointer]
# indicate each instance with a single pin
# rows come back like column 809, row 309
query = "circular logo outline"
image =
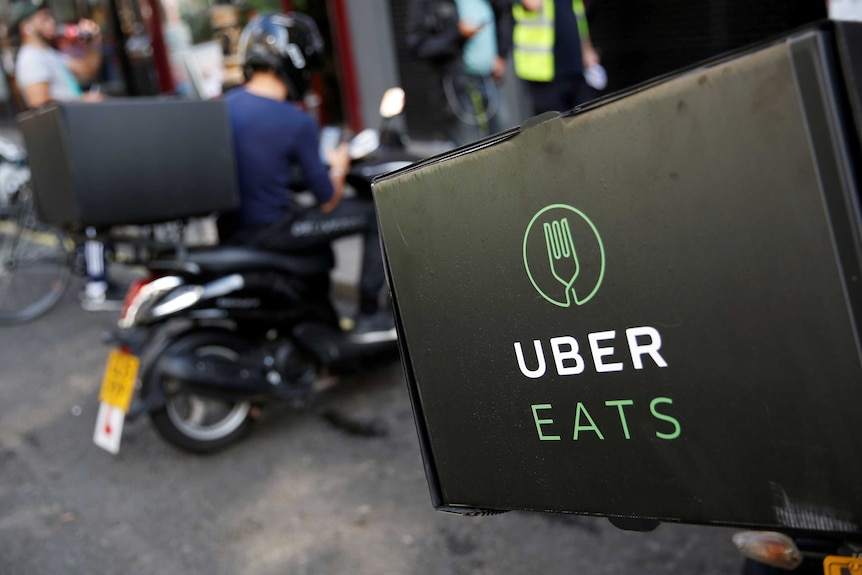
column 589, row 222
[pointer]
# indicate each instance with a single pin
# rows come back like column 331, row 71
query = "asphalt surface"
column 300, row 496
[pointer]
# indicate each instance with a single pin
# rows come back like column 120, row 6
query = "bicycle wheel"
column 35, row 262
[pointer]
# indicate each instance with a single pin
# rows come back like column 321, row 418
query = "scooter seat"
column 227, row 259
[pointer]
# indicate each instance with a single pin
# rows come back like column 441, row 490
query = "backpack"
column 433, row 34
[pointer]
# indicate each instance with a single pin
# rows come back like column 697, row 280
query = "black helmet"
column 288, row 44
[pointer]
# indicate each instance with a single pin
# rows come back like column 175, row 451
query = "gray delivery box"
column 648, row 307
column 130, row 161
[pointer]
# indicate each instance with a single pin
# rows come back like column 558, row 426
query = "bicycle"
column 36, row 260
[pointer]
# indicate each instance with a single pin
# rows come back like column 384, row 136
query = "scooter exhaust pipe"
column 334, row 348
column 223, row 379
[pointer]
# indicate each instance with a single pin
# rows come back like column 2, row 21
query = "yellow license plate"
column 118, row 385
column 835, row 565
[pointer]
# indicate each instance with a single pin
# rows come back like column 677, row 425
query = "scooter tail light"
column 141, row 296
column 769, row 547
column 133, row 291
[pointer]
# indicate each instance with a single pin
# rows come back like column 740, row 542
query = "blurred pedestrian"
column 467, row 42
column 44, row 75
column 554, row 55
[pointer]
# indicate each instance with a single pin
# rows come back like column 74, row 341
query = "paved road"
column 299, row 496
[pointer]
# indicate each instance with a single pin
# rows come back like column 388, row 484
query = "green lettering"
column 591, row 427
column 619, row 404
column 540, row 422
column 664, row 417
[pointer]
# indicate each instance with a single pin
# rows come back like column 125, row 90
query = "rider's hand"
column 532, row 5
column 339, row 160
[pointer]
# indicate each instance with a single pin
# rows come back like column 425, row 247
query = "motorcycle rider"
column 271, row 135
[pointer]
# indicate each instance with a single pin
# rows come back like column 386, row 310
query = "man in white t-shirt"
column 43, row 75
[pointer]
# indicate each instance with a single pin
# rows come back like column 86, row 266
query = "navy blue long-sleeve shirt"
column 269, row 138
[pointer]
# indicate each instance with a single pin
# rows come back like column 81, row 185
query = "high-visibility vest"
column 533, row 39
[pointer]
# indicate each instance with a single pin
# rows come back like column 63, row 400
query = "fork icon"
column 561, row 255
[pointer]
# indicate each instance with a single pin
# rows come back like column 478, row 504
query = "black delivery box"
column 130, row 161
column 647, row 308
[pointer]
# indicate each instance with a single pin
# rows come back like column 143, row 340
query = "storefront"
column 189, row 48
column 201, row 38
column 128, row 55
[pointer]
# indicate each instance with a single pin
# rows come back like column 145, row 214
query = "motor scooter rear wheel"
column 198, row 423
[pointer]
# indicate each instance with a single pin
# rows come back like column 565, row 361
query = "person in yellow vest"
column 552, row 50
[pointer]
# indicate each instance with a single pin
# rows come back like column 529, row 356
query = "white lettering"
column 540, row 355
column 568, row 359
column 651, row 348
column 561, row 356
column 600, row 352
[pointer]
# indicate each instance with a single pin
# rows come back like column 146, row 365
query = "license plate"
column 835, row 565
column 118, row 385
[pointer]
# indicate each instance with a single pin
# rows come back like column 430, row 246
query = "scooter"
column 212, row 334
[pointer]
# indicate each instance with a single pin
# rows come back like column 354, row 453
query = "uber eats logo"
column 565, row 261
column 564, row 255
